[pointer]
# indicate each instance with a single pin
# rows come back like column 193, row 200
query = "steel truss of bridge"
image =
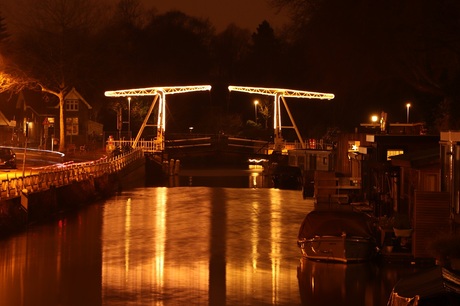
column 159, row 94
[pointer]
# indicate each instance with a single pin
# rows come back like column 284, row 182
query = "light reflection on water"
column 182, row 246
column 201, row 245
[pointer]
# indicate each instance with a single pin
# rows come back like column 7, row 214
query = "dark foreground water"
column 190, row 245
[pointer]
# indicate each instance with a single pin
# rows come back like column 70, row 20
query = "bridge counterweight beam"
column 294, row 125
column 279, row 143
column 159, row 141
column 146, row 119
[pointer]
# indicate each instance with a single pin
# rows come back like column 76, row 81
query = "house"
column 32, row 110
column 426, row 204
column 80, row 127
column 7, row 131
column 450, row 171
column 37, row 114
column 404, row 171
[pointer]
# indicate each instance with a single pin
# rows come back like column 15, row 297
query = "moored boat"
column 338, row 235
column 434, row 286
column 287, row 177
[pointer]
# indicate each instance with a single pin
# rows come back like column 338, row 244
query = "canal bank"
column 66, row 187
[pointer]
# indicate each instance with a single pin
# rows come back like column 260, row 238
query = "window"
column 71, row 105
column 391, row 153
column 71, row 126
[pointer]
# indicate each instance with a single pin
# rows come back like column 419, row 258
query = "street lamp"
column 408, row 107
column 129, row 117
column 256, row 102
column 26, row 137
column 374, row 118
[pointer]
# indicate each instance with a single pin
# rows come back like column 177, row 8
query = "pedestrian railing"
column 65, row 173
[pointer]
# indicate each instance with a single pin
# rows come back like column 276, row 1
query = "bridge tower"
column 279, row 96
column 159, row 94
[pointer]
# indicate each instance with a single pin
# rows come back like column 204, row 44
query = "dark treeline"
column 373, row 55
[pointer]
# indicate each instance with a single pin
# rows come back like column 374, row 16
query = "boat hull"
column 339, row 249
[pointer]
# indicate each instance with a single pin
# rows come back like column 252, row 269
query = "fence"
column 66, row 173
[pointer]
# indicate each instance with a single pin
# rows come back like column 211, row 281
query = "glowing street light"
column 374, row 118
column 408, row 107
column 256, row 102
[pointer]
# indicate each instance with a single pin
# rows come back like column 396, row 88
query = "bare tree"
column 53, row 47
column 12, row 79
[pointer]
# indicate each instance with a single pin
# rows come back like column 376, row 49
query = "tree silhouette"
column 53, row 47
column 385, row 52
column 228, row 50
column 3, row 30
column 264, row 59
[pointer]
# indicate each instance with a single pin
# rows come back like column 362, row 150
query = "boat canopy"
column 336, row 223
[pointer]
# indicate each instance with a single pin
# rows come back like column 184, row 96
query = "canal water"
column 207, row 240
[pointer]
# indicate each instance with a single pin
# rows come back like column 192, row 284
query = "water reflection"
column 211, row 246
column 182, row 246
column 234, row 178
column 47, row 264
column 366, row 284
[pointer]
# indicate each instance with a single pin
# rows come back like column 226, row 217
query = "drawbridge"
column 159, row 94
column 159, row 98
column 279, row 95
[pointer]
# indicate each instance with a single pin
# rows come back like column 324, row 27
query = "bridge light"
column 129, row 117
column 408, row 108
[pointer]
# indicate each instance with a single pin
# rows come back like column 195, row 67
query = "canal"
column 210, row 240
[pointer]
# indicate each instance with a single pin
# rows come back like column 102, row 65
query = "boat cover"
column 336, row 223
column 434, row 286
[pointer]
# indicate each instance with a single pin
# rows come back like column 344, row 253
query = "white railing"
column 66, row 173
column 146, row 145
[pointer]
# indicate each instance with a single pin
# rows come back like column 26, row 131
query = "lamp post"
column 256, row 102
column 26, row 137
column 129, row 117
column 408, row 107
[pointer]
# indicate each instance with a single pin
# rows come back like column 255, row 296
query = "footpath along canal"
column 65, row 186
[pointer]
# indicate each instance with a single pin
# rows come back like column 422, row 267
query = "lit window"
column 353, row 146
column 71, row 105
column 71, row 126
column 391, row 153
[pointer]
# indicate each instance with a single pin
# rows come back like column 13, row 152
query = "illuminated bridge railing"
column 146, row 145
column 65, row 173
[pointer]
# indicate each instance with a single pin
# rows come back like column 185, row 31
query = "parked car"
column 7, row 158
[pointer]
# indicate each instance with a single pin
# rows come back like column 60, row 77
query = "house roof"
column 7, row 104
column 75, row 95
column 417, row 159
column 40, row 103
column 3, row 120
column 36, row 101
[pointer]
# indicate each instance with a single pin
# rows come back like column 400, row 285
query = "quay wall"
column 60, row 188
